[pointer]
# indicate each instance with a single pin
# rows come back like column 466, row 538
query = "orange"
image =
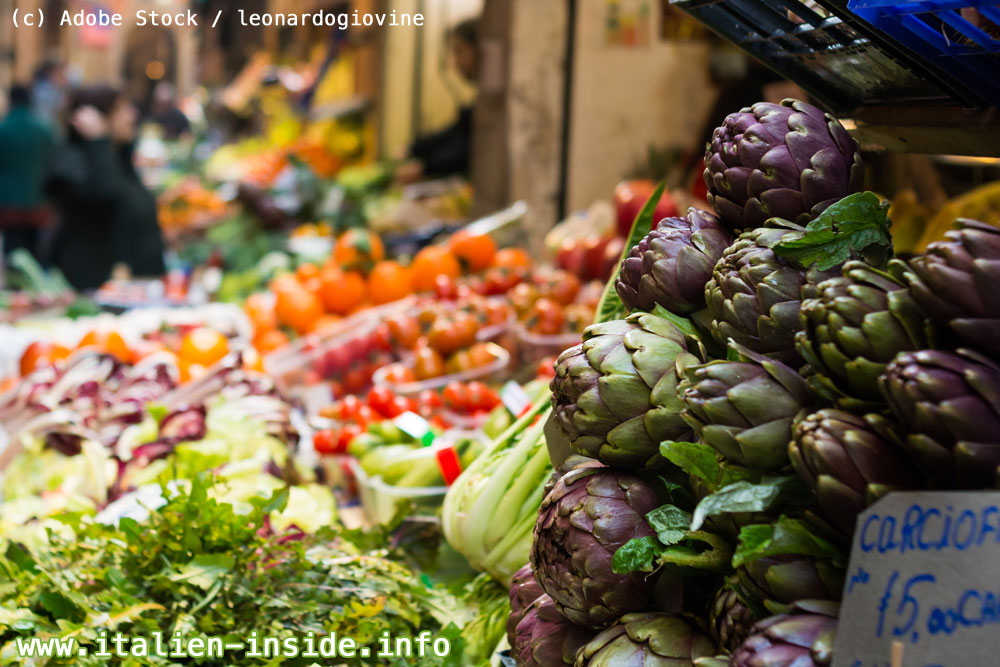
column 358, row 249
column 42, row 353
column 431, row 262
column 285, row 282
column 475, row 250
column 298, row 308
column 309, row 276
column 341, row 291
column 269, row 341
column 326, row 322
column 259, row 309
column 513, row 258
column 190, row 371
column 109, row 342
column 252, row 360
column 389, row 281
column 204, row 346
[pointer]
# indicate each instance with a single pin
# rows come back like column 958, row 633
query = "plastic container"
column 495, row 370
column 836, row 56
column 381, row 502
column 534, row 347
column 951, row 35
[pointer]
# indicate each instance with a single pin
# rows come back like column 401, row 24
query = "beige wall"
column 625, row 99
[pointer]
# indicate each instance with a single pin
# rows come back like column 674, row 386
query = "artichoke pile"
column 766, row 382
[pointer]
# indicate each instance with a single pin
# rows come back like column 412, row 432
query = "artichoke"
column 787, row 160
column 524, row 590
column 956, row 282
column 651, row 639
column 744, row 409
column 754, row 295
column 850, row 462
column 671, row 265
column 949, row 402
column 802, row 638
column 585, row 519
column 730, row 619
column 854, row 326
column 544, row 638
column 614, row 395
column 773, row 583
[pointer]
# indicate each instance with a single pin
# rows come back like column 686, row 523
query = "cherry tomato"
column 480, row 397
column 325, row 441
column 356, row 380
column 429, row 398
column 546, row 317
column 350, row 407
column 399, row 405
column 405, row 330
column 367, row 415
column 454, row 396
column 546, row 368
column 561, row 286
column 499, row 280
column 448, row 335
column 379, row 398
column 445, row 287
column 397, row 373
column 347, row 433
column 522, row 297
column 428, row 364
column 382, row 337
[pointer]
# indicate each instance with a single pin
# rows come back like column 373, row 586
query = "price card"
column 924, row 576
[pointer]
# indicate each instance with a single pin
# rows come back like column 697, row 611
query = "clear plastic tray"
column 381, row 501
column 495, row 370
column 534, row 347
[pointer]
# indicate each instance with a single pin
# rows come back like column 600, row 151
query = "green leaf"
column 786, row 536
column 742, row 496
column 59, row 606
column 278, row 501
column 204, row 570
column 610, row 306
column 20, row 557
column 157, row 411
column 670, row 523
column 857, row 226
column 636, row 555
column 694, row 458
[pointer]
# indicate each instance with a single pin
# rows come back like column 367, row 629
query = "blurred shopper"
column 107, row 216
column 164, row 112
column 26, row 146
column 49, row 92
column 449, row 151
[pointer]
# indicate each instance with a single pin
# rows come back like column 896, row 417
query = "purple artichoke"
column 773, row 583
column 787, row 160
column 544, row 637
column 730, row 619
column 614, row 395
column 671, row 265
column 754, row 295
column 652, row 639
column 850, row 462
column 584, row 520
column 956, row 282
column 949, row 402
column 801, row 638
column 524, row 590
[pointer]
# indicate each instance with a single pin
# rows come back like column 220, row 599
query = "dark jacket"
column 26, row 146
column 106, row 214
column 448, row 151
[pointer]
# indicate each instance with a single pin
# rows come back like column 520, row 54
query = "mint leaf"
column 694, row 458
column 787, row 536
column 742, row 496
column 670, row 523
column 855, row 227
column 637, row 554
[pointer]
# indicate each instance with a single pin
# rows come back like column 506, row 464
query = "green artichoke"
column 853, row 327
column 544, row 638
column 787, row 160
column 744, row 409
column 773, row 583
column 754, row 295
column 652, row 639
column 850, row 462
column 949, row 402
column 670, row 266
column 524, row 590
column 803, row 637
column 730, row 619
column 956, row 282
column 585, row 519
column 614, row 395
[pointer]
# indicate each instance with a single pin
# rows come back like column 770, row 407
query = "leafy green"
column 674, row 545
column 747, row 496
column 610, row 306
column 786, row 536
column 857, row 225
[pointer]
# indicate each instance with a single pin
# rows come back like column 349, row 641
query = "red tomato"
column 480, row 397
column 325, row 441
column 379, row 399
column 399, row 405
column 455, row 396
column 348, row 433
column 429, row 398
column 367, row 415
column 350, row 407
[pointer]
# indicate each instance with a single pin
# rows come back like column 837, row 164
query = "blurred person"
column 49, row 93
column 165, row 112
column 449, row 151
column 107, row 216
column 26, row 147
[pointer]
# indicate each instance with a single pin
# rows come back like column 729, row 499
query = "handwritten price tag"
column 924, row 574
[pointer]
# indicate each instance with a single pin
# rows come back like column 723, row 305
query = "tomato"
column 428, row 364
column 398, row 373
column 476, row 251
column 405, row 330
column 429, row 398
column 522, row 297
column 454, row 396
column 259, row 309
column 367, row 415
column 356, row 379
column 546, row 368
column 108, row 342
column 379, row 399
column 270, row 340
column 479, row 397
column 546, row 317
column 560, row 286
column 578, row 317
column 41, row 353
column 389, row 281
column 496, row 312
column 445, row 288
column 341, row 291
column 448, row 335
column 500, row 280
column 347, row 433
column 480, row 355
column 308, row 276
column 431, row 262
column 204, row 346
column 358, row 249
column 459, row 362
column 325, row 441
column 400, row 404
column 298, row 308
column 513, row 258
column 350, row 407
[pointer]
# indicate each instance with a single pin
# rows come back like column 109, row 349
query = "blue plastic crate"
column 837, row 57
column 960, row 38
